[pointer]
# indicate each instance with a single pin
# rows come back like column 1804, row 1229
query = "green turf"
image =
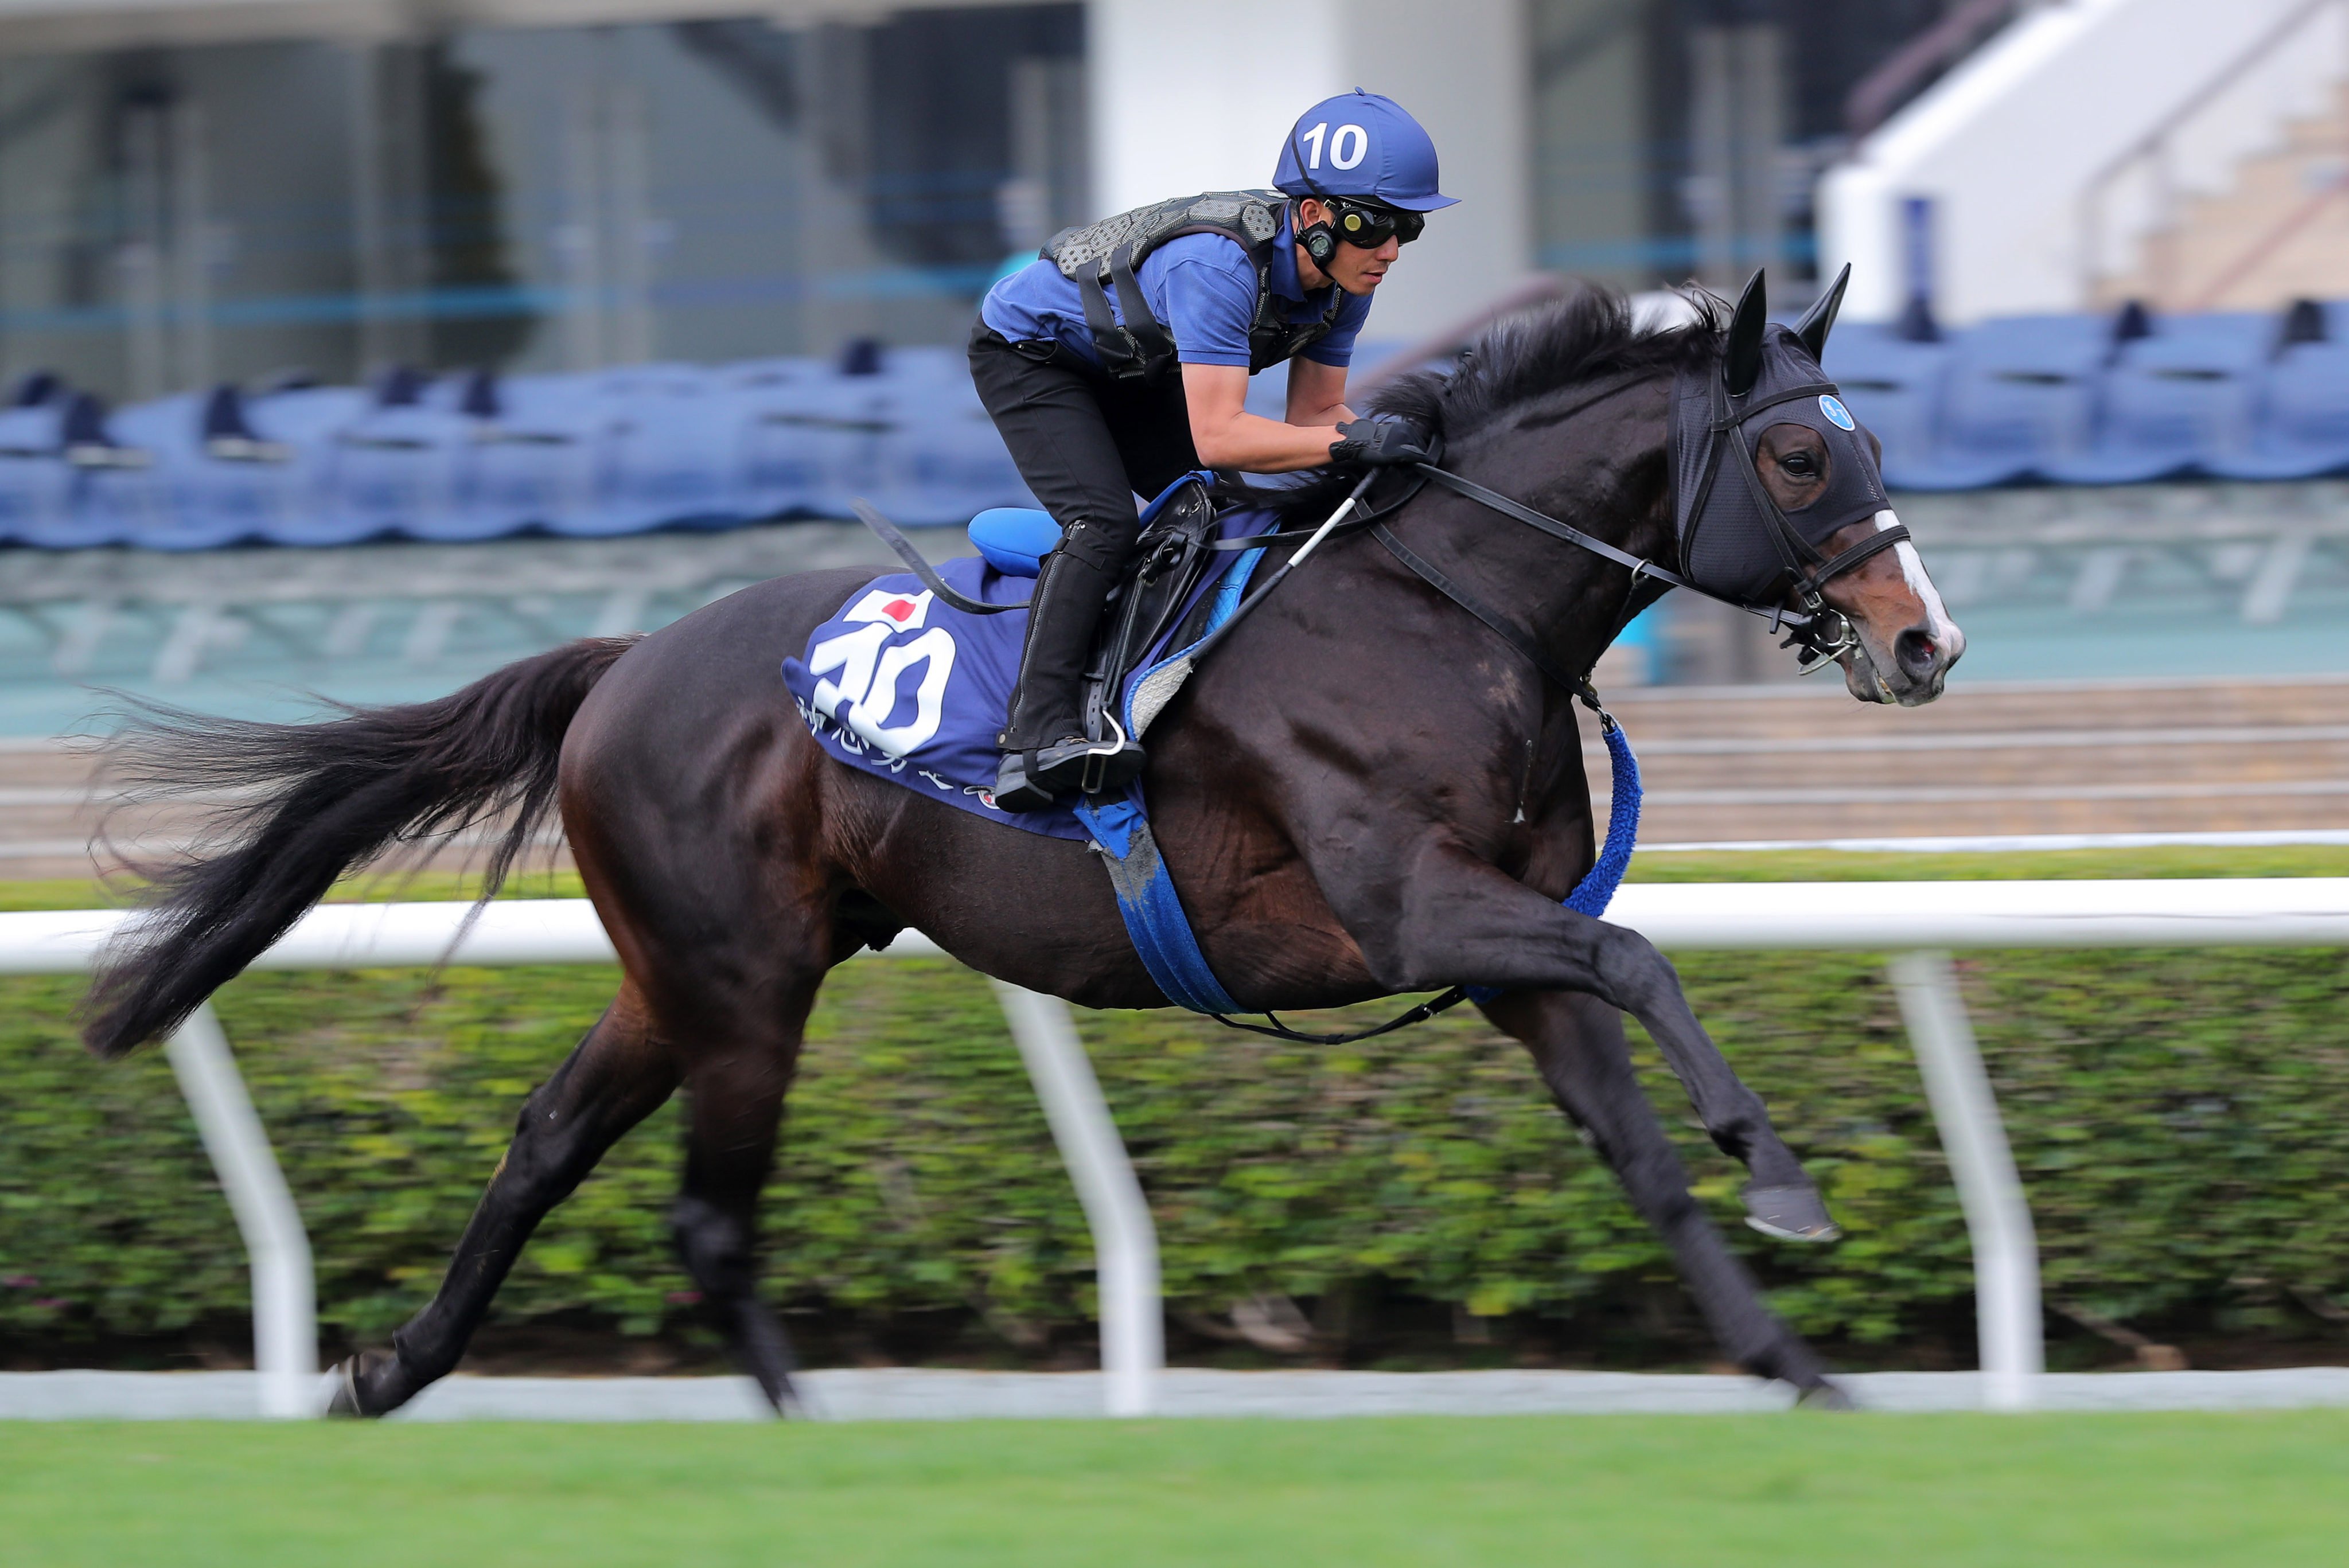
column 1870, row 1491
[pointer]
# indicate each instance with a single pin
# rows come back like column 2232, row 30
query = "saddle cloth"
column 911, row 689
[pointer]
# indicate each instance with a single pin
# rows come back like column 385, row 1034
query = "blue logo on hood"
column 1832, row 407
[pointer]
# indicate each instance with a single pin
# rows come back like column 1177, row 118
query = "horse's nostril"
column 1916, row 652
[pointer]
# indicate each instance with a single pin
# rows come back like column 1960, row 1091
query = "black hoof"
column 1825, row 1396
column 1789, row 1213
column 359, row 1385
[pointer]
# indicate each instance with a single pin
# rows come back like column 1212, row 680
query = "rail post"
column 1989, row 1189
column 1125, row 1241
column 284, row 1302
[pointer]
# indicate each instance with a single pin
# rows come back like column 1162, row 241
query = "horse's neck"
column 1571, row 600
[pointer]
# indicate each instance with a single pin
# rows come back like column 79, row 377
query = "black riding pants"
column 1086, row 443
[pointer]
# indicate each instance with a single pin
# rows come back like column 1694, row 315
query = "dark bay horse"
column 1364, row 792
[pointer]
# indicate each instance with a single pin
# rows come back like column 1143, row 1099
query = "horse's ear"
column 1820, row 319
column 1740, row 362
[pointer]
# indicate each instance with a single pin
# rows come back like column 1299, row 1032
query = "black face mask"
column 1734, row 541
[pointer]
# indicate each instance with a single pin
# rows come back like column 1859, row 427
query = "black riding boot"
column 1046, row 752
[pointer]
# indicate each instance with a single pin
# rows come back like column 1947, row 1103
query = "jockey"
column 1072, row 354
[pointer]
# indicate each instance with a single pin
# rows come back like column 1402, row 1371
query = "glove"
column 1383, row 442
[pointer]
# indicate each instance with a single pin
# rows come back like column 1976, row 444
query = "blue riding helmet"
column 1364, row 146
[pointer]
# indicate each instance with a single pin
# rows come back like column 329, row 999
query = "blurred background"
column 358, row 347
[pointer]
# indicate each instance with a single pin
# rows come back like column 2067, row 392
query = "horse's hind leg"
column 1577, row 1043
column 613, row 1079
column 735, row 1091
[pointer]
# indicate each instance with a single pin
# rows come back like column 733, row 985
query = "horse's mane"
column 1585, row 338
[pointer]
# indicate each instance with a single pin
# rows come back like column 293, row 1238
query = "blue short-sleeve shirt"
column 1202, row 286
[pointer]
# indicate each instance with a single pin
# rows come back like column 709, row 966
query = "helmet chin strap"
column 1319, row 240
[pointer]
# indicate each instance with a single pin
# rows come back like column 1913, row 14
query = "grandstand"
column 2082, row 399
column 2125, row 472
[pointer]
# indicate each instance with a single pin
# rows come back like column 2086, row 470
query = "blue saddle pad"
column 914, row 690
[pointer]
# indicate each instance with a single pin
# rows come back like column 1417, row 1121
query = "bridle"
column 1823, row 631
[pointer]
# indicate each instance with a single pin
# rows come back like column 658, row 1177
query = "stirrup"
column 1032, row 780
column 1089, row 767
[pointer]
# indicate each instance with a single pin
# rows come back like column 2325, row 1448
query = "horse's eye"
column 1798, row 464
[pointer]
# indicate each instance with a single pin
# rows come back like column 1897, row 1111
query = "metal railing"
column 1908, row 70
column 2156, row 155
column 1920, row 922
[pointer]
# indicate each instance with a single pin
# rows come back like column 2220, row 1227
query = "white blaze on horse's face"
column 1906, row 641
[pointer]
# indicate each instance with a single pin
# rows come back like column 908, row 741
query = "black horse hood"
column 1732, row 541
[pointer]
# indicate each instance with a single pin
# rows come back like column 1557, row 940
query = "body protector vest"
column 1734, row 541
column 1098, row 257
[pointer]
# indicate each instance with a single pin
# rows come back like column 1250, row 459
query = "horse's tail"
column 322, row 798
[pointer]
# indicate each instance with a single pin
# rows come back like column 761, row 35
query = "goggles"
column 1368, row 226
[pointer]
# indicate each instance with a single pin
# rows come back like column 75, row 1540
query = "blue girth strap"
column 1154, row 915
column 1169, row 949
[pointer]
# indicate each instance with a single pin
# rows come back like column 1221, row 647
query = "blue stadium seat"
column 2020, row 397
column 810, row 448
column 2176, row 402
column 35, row 485
column 194, row 502
column 667, row 459
column 387, row 471
column 2302, row 431
column 1894, row 387
column 305, row 420
column 533, row 462
column 944, row 461
column 95, row 489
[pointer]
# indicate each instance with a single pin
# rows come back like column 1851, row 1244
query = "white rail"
column 1989, row 1189
column 285, row 1304
column 566, row 931
column 1125, row 1241
column 1917, row 920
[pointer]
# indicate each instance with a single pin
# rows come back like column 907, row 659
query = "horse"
column 1363, row 793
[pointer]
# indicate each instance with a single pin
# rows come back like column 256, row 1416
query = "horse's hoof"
column 1789, row 1213
column 1825, row 1396
column 350, row 1379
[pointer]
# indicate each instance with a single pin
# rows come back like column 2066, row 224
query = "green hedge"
column 2182, row 1121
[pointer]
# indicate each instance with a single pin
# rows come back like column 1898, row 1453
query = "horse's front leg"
column 1576, row 1042
column 1780, row 1200
column 1476, row 927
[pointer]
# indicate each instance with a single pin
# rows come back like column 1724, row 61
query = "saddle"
column 1159, row 589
